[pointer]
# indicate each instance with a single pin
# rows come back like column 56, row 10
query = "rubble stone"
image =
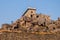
column 31, row 22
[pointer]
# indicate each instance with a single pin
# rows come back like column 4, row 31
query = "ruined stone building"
column 31, row 26
column 33, row 22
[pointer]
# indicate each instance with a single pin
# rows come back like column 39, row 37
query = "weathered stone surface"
column 28, row 36
column 31, row 26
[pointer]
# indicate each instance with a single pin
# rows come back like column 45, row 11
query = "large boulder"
column 36, row 28
column 52, row 27
column 6, row 27
column 27, row 18
column 41, row 21
column 57, row 23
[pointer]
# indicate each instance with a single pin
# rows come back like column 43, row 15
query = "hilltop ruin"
column 33, row 22
column 31, row 26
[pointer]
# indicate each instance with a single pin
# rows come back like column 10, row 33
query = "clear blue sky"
column 10, row 10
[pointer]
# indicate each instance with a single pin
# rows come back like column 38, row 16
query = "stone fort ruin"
column 33, row 22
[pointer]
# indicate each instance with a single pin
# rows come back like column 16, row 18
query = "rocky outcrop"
column 29, row 23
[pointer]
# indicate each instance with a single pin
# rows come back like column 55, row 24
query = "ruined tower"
column 29, row 12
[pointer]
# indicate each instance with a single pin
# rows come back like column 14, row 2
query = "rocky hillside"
column 31, row 26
